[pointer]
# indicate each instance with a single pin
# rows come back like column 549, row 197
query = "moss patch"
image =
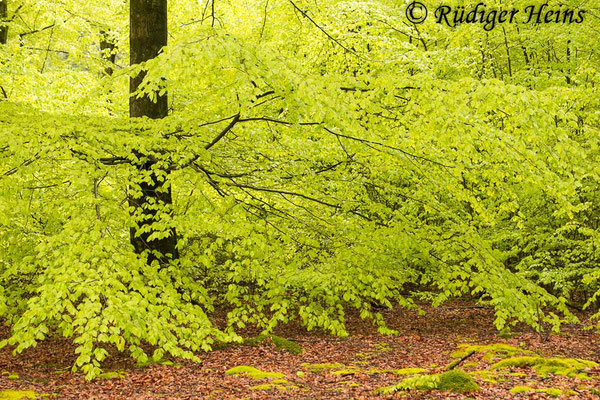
column 457, row 381
column 343, row 370
column 160, row 362
column 554, row 392
column 490, row 351
column 570, row 367
column 278, row 384
column 401, row 371
column 352, row 370
column 450, row 381
column 278, row 341
column 265, row 386
column 112, row 375
column 322, row 367
column 417, row 382
column 488, row 376
column 254, row 373
column 17, row 394
column 349, row 383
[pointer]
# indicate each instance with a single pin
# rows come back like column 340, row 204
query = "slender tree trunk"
column 3, row 18
column 3, row 37
column 148, row 35
column 507, row 53
column 107, row 48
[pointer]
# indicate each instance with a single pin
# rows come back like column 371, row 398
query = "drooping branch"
column 336, row 41
column 340, row 135
column 23, row 164
column 224, row 132
column 303, row 196
column 22, row 35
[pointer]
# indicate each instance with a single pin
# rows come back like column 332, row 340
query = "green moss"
column 300, row 374
column 278, row 341
column 457, row 381
column 112, row 374
column 402, row 371
column 13, row 377
column 161, row 362
column 496, row 350
column 554, row 392
column 518, row 374
column 346, row 372
column 254, row 373
column 265, row 386
column 279, row 384
column 570, row 367
column 518, row 362
column 17, row 394
column 417, row 382
column 487, row 376
column 505, row 333
column 335, row 368
column 321, row 367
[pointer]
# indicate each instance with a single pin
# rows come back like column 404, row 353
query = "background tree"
column 3, row 18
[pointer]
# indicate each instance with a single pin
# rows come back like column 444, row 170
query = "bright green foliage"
column 370, row 165
column 278, row 341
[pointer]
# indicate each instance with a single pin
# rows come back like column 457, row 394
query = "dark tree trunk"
column 148, row 34
column 3, row 18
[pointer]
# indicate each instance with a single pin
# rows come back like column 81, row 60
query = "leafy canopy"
column 323, row 157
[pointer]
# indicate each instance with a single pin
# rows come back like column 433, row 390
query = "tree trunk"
column 148, row 35
column 3, row 18
column 107, row 48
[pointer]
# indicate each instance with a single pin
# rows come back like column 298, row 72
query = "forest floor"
column 333, row 368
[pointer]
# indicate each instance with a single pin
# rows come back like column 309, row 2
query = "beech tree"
column 148, row 35
column 309, row 160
